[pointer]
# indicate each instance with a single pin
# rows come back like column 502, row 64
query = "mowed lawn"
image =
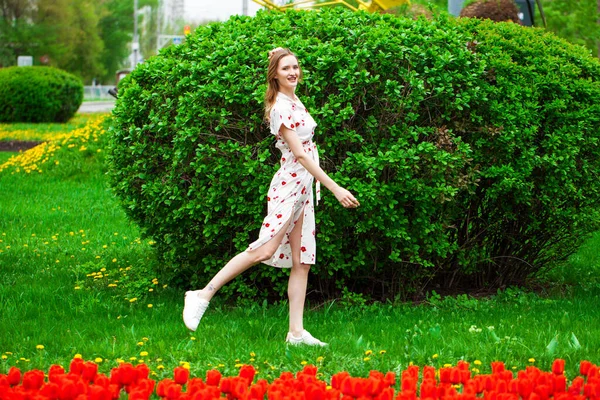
column 76, row 278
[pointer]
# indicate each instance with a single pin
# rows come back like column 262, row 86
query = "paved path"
column 96, row 106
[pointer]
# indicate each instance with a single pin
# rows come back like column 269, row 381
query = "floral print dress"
column 290, row 193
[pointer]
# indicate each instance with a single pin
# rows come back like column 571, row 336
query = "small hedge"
column 38, row 94
column 472, row 147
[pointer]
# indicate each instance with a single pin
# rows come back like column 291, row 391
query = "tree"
column 577, row 21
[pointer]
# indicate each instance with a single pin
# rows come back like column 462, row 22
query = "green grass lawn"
column 64, row 239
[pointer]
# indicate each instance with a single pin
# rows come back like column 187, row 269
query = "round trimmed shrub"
column 38, row 94
column 472, row 147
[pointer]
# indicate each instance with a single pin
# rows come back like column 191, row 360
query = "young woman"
column 287, row 235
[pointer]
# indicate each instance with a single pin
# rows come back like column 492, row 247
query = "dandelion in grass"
column 144, row 353
column 531, row 360
column 140, row 343
column 149, row 305
column 303, row 362
column 367, row 359
column 4, row 356
column 160, row 367
column 133, row 300
column 77, row 287
column 368, row 352
column 192, row 338
column 98, row 360
column 132, row 358
column 435, row 356
column 40, row 347
column 477, row 362
column 382, row 352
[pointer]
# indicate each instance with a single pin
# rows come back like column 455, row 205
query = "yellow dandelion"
column 447, row 365
column 145, row 339
column 368, row 352
column 160, row 367
column 133, row 300
column 185, row 364
column 120, row 361
column 4, row 356
column 149, row 305
column 435, row 356
column 98, row 360
column 532, row 360
column 367, row 359
column 132, row 358
column 238, row 365
column 477, row 362
column 114, row 260
column 303, row 362
column 77, row 356
column 144, row 353
column 77, row 287
column 382, row 352
column 252, row 354
column 192, row 338
column 320, row 359
column 40, row 347
column 140, row 343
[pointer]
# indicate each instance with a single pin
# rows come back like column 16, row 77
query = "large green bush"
column 38, row 94
column 472, row 147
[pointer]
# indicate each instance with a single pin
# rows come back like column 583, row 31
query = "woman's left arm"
column 344, row 196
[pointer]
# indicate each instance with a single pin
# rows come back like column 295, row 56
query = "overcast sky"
column 221, row 10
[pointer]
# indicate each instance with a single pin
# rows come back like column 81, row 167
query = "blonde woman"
column 287, row 235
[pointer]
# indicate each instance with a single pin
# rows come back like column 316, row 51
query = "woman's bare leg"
column 241, row 263
column 298, row 281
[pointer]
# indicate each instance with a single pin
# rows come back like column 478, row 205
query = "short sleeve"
column 282, row 114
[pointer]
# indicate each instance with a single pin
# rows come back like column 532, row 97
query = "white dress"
column 290, row 192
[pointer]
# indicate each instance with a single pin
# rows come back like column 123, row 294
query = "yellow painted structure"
column 371, row 6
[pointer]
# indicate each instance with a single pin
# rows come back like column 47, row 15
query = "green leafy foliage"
column 471, row 146
column 38, row 94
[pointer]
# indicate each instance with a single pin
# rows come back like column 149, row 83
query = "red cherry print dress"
column 291, row 191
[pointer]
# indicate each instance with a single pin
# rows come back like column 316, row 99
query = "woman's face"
column 288, row 73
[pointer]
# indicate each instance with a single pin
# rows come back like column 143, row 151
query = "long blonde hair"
column 272, row 84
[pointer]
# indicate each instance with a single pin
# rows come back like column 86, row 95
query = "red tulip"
column 213, row 377
column 181, row 375
column 161, row 388
column 248, row 372
column 173, row 391
column 89, row 371
column 76, row 366
column 338, row 379
column 143, row 371
column 584, row 367
column 14, row 376
column 558, row 366
column 33, row 380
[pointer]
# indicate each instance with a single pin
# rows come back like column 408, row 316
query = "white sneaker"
column 193, row 309
column 305, row 338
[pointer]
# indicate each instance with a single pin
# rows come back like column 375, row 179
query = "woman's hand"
column 345, row 198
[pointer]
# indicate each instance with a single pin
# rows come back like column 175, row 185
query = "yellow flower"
column 192, row 338
column 435, row 356
column 185, row 364
column 140, row 343
column 98, row 360
column 114, row 260
column 120, row 360
column 475, row 370
column 477, row 362
column 149, row 305
column 4, row 356
column 132, row 358
column 133, row 300
column 303, row 362
column 320, row 359
column 368, row 352
column 447, row 365
column 77, row 356
column 239, row 365
column 77, row 287
column 144, row 354
column 382, row 352
column 161, row 367
column 367, row 359
column 40, row 347
column 252, row 354
column 532, row 360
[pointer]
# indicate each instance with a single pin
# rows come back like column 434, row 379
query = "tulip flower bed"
column 83, row 381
